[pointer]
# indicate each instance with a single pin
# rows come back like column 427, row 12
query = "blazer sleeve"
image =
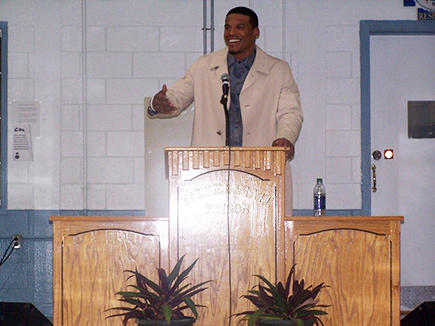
column 289, row 113
column 181, row 93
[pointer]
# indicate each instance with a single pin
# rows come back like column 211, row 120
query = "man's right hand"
column 161, row 103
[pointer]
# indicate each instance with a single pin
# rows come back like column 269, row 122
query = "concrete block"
column 356, row 116
column 71, row 197
column 96, row 38
column 139, row 171
column 125, row 197
column 18, row 65
column 21, row 90
column 150, row 13
column 343, row 196
column 343, row 91
column 43, row 268
column 109, row 65
column 72, row 91
column 339, row 64
column 96, row 197
column 12, row 223
column 71, row 117
column 72, row 38
column 71, row 170
column 20, row 196
column 109, row 117
column 273, row 39
column 129, row 144
column 159, row 65
column 138, row 112
column 18, row 172
column 181, row 39
column 356, row 170
column 338, row 117
column 96, row 91
column 342, row 37
column 129, row 91
column 132, row 39
column 72, row 144
column 96, row 144
column 21, row 39
column 71, row 65
column 343, row 143
column 268, row 11
column 339, row 169
column 110, row 170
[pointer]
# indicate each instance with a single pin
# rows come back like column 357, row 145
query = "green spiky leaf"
column 163, row 301
column 290, row 301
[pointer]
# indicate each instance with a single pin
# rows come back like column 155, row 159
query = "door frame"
column 368, row 28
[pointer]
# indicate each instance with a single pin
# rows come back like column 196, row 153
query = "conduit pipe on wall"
column 206, row 28
column 84, row 116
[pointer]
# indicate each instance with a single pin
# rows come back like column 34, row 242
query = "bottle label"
column 319, row 202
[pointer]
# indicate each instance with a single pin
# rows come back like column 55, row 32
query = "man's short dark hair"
column 253, row 18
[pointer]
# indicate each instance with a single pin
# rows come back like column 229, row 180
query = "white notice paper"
column 22, row 143
column 27, row 113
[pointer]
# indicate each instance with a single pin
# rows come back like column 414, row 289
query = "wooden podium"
column 226, row 208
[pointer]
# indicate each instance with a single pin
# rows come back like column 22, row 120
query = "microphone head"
column 225, row 77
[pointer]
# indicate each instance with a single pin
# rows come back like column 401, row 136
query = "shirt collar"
column 246, row 62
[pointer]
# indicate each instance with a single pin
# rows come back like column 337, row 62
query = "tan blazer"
column 269, row 100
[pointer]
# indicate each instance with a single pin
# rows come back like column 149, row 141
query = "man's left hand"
column 283, row 142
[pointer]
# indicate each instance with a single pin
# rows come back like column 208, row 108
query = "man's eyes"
column 227, row 27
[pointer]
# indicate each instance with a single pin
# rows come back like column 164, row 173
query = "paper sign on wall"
column 22, row 143
column 27, row 113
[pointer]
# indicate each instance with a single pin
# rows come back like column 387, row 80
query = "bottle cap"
column 319, row 180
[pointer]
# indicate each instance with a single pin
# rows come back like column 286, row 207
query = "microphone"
column 224, row 99
column 225, row 85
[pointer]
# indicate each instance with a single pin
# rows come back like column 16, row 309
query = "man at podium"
column 264, row 107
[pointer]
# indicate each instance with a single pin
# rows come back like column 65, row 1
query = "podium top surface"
column 226, row 148
column 344, row 218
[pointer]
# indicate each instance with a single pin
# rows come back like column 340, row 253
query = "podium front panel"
column 225, row 209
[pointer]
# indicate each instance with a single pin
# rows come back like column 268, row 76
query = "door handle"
column 374, row 178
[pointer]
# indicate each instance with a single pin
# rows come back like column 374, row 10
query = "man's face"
column 240, row 35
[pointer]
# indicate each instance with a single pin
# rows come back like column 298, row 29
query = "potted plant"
column 162, row 303
column 291, row 304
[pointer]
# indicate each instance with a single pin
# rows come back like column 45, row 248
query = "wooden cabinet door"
column 93, row 264
column 355, row 264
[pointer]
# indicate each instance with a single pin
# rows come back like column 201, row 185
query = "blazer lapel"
column 258, row 71
column 219, row 63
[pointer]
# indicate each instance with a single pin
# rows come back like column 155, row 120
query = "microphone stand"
column 224, row 100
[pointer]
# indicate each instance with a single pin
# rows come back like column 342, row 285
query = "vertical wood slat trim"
column 206, row 159
column 216, row 159
column 186, row 160
column 174, row 162
column 267, row 160
column 195, row 159
column 226, row 158
column 277, row 166
column 255, row 159
column 236, row 158
column 247, row 159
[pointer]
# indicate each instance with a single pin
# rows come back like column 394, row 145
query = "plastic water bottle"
column 319, row 193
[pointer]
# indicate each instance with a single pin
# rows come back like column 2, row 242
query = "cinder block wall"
column 89, row 63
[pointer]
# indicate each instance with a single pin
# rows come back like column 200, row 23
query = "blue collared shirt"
column 238, row 70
